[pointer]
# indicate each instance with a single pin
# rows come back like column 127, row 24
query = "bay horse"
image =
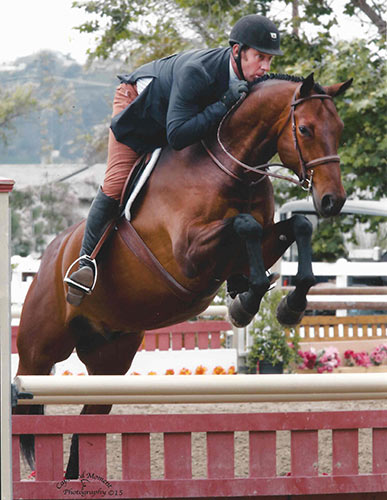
column 205, row 216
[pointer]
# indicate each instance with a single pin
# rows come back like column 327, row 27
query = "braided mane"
column 289, row 78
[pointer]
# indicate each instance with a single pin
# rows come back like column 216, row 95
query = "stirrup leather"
column 73, row 283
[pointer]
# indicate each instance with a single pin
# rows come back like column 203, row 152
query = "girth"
column 139, row 248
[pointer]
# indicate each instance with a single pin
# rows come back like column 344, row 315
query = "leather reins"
column 304, row 181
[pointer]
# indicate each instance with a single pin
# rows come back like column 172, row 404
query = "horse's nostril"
column 331, row 205
column 327, row 204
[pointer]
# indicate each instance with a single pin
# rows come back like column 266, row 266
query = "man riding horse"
column 177, row 100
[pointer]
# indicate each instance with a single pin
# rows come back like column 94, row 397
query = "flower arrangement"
column 199, row 370
column 352, row 358
column 324, row 360
column 379, row 354
column 270, row 343
column 218, row 370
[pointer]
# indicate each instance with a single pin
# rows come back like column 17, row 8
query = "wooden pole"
column 113, row 389
column 6, row 186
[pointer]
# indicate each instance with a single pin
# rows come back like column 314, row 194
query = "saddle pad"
column 141, row 181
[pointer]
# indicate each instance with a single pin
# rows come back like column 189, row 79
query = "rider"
column 177, row 100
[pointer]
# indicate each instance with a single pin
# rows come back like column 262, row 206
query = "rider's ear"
column 307, row 85
column 338, row 88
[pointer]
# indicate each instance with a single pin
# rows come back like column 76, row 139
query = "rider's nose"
column 266, row 65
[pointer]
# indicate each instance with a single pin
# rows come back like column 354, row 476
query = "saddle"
column 137, row 178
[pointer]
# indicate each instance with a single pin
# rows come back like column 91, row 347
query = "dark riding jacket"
column 182, row 103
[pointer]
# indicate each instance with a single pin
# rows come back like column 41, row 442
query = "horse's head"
column 309, row 143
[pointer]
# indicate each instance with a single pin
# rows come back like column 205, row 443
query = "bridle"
column 307, row 168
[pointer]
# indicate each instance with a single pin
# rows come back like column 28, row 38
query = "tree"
column 13, row 104
column 38, row 214
column 159, row 27
column 141, row 30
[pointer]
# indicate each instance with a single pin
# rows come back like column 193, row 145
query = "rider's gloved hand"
column 234, row 93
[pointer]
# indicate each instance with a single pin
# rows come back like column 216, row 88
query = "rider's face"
column 254, row 63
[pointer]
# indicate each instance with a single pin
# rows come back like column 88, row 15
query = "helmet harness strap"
column 238, row 60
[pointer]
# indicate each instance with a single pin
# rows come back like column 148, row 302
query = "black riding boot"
column 103, row 211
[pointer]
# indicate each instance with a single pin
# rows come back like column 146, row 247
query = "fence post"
column 342, row 282
column 6, row 186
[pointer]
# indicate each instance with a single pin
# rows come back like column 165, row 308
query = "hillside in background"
column 72, row 100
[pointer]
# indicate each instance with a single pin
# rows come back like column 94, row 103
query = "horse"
column 205, row 216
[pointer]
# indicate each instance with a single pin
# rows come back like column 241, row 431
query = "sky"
column 28, row 26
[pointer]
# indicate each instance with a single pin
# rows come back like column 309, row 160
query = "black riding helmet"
column 256, row 32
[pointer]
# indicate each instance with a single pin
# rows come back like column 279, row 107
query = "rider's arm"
column 188, row 119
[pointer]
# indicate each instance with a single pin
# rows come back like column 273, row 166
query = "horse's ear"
column 307, row 85
column 338, row 88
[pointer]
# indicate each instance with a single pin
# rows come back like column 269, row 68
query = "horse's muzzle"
column 330, row 205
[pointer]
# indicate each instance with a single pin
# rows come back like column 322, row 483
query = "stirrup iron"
column 69, row 281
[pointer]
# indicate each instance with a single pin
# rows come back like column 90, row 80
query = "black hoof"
column 238, row 315
column 287, row 316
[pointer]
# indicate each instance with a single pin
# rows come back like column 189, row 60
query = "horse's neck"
column 251, row 132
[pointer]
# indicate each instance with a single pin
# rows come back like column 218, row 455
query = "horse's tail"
column 27, row 441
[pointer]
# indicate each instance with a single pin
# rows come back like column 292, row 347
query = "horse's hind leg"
column 42, row 341
column 102, row 357
column 292, row 307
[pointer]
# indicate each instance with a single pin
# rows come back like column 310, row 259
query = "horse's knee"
column 302, row 226
column 247, row 227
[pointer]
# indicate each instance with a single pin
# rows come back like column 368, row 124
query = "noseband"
column 305, row 180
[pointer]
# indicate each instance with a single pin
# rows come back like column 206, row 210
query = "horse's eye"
column 303, row 130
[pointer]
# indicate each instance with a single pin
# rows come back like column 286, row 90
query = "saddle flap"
column 137, row 179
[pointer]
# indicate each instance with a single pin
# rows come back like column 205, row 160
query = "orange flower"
column 219, row 370
column 200, row 370
column 185, row 371
column 135, row 373
column 231, row 370
column 67, row 372
column 170, row 371
column 152, row 373
column 81, row 373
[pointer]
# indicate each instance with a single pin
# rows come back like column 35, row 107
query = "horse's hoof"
column 238, row 315
column 287, row 316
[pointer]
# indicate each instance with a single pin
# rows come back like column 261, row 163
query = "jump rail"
column 349, row 297
column 110, row 389
column 303, row 480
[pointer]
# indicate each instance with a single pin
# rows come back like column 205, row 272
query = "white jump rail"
column 117, row 389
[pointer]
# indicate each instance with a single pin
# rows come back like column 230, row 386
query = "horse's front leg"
column 246, row 304
column 292, row 307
